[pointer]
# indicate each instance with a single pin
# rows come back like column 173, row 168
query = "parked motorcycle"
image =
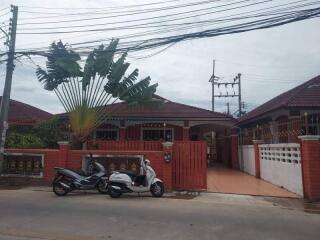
column 125, row 182
column 67, row 180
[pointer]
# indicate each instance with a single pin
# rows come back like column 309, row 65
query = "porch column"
column 122, row 133
column 64, row 148
column 257, row 157
column 310, row 164
column 274, row 131
column 234, row 151
column 122, row 130
column 185, row 134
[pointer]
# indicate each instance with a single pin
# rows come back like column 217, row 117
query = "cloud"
column 272, row 61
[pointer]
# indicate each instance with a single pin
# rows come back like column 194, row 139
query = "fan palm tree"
column 83, row 90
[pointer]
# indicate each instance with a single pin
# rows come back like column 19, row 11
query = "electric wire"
column 126, row 15
column 121, row 6
column 135, row 26
column 155, row 32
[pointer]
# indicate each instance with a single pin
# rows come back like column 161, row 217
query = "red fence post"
column 64, row 148
column 234, row 151
column 257, row 157
column 167, row 167
column 310, row 164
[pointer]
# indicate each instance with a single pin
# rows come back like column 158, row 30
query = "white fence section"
column 280, row 164
column 247, row 156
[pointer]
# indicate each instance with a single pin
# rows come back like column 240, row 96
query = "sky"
column 271, row 61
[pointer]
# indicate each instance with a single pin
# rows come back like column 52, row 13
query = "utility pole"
column 238, row 77
column 228, row 108
column 4, row 107
column 236, row 81
column 212, row 80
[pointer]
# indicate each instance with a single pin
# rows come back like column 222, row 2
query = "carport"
column 225, row 180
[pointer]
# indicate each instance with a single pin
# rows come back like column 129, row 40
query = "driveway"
column 226, row 180
column 38, row 214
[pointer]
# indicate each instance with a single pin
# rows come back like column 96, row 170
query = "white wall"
column 280, row 164
column 247, row 152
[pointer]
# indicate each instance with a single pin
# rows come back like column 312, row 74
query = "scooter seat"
column 131, row 174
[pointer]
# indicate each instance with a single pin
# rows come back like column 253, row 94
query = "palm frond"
column 83, row 90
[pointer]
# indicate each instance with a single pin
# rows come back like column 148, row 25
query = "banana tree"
column 83, row 89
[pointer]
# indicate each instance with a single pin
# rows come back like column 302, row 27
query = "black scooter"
column 67, row 180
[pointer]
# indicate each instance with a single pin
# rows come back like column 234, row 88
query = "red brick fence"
column 187, row 168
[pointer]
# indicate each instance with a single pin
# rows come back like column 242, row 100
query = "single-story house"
column 171, row 121
column 285, row 117
column 23, row 114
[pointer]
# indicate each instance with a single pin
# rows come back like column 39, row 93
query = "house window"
column 157, row 134
column 107, row 134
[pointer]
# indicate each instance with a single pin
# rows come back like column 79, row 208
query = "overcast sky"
column 271, row 61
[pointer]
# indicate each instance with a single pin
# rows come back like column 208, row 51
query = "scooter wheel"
column 157, row 189
column 102, row 188
column 114, row 194
column 59, row 190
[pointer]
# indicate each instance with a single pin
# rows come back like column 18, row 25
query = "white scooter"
column 125, row 181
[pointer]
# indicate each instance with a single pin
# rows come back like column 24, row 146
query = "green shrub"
column 18, row 140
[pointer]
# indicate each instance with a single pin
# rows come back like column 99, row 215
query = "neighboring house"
column 285, row 117
column 22, row 114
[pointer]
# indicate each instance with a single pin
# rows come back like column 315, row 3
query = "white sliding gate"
column 247, row 152
column 280, row 164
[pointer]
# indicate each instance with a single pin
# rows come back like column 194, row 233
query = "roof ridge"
column 301, row 87
column 203, row 109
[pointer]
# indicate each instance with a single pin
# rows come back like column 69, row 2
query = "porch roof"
column 306, row 95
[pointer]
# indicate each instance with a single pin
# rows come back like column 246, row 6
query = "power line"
column 140, row 25
column 176, row 29
column 121, row 6
column 143, row 25
column 126, row 15
column 236, row 28
column 107, row 12
column 4, row 14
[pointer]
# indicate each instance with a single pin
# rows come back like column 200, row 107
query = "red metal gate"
column 189, row 165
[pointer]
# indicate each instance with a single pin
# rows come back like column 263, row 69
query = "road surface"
column 34, row 213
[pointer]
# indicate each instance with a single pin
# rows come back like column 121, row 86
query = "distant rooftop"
column 22, row 113
column 304, row 95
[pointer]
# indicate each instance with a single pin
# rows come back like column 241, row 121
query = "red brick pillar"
column 257, row 157
column 310, row 164
column 234, row 151
column 167, row 167
column 185, row 134
column 63, row 153
column 122, row 133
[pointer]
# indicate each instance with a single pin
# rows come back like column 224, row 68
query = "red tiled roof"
column 25, row 114
column 304, row 95
column 168, row 109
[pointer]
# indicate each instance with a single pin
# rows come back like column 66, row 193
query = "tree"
column 50, row 131
column 83, row 91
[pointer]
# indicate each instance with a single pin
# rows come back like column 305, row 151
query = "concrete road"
column 38, row 214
